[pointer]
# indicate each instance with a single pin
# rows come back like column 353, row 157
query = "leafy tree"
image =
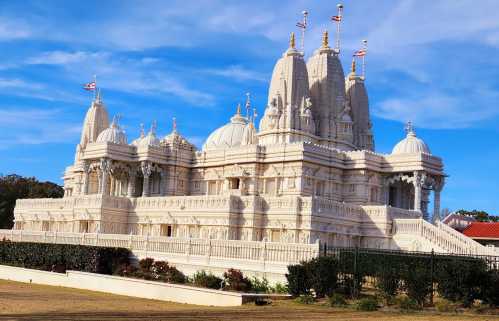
column 13, row 187
column 480, row 216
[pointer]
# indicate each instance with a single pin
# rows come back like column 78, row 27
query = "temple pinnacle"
column 325, row 39
column 292, row 41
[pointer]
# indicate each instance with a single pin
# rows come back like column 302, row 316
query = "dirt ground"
column 19, row 301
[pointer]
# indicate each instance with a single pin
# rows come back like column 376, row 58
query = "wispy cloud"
column 238, row 73
column 437, row 110
column 12, row 29
column 32, row 126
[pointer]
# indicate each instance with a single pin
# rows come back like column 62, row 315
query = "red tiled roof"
column 482, row 229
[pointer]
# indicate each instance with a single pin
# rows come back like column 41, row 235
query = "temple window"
column 166, row 230
column 45, row 226
column 84, row 227
column 234, row 183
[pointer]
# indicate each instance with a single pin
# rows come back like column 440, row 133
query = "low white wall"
column 124, row 286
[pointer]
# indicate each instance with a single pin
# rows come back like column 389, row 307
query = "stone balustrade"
column 285, row 253
column 442, row 236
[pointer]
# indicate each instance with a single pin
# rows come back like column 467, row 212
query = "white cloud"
column 239, row 73
column 438, row 110
column 16, row 83
column 12, row 29
column 32, row 126
column 64, row 58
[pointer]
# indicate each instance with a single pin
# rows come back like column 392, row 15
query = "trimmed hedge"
column 62, row 257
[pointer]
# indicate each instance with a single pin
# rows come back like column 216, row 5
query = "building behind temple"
column 306, row 171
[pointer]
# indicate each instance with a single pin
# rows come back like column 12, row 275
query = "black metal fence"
column 361, row 267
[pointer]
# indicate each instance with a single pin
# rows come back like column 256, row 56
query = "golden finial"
column 325, row 39
column 292, row 41
column 353, row 66
column 238, row 111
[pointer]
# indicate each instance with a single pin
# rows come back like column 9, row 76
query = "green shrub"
column 279, row 288
column 298, row 280
column 323, row 274
column 417, row 282
column 305, row 299
column 61, row 257
column 444, row 305
column 407, row 304
column 146, row 264
column 234, row 280
column 491, row 291
column 158, row 271
column 207, row 280
column 260, row 285
column 319, row 274
column 462, row 280
column 337, row 300
column 367, row 304
column 388, row 282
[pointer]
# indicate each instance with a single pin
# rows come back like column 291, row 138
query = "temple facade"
column 306, row 171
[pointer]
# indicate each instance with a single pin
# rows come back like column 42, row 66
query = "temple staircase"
column 420, row 235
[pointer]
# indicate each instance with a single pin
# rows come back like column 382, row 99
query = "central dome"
column 229, row 135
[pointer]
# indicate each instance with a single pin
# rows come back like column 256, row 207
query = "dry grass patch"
column 19, row 301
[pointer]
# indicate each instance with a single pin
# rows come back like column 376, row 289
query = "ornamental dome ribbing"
column 411, row 144
column 114, row 134
column 229, row 135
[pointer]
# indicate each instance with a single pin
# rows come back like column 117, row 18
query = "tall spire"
column 154, row 125
column 325, row 39
column 352, row 69
column 292, row 41
column 248, row 105
column 174, row 125
column 142, row 130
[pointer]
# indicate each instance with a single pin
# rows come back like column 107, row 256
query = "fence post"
column 355, row 272
column 325, row 248
column 432, row 262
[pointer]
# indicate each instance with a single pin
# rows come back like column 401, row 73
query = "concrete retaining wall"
column 124, row 286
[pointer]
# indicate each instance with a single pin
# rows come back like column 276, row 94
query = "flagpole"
column 95, row 91
column 364, row 47
column 305, row 14
column 338, row 23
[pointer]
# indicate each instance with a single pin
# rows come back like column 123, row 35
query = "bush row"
column 62, row 257
column 232, row 280
column 456, row 279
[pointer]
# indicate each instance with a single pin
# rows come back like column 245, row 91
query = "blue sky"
column 432, row 62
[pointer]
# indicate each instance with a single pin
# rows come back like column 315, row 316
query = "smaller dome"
column 229, row 135
column 114, row 134
column 149, row 140
column 136, row 142
column 174, row 137
column 411, row 144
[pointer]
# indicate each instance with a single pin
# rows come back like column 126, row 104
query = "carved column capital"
column 146, row 168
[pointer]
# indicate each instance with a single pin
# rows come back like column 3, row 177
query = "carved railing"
column 442, row 236
column 285, row 253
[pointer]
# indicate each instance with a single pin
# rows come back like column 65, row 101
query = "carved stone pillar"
column 132, row 175
column 105, row 166
column 437, row 188
column 86, row 178
column 424, row 204
column 163, row 182
column 146, row 169
column 418, row 184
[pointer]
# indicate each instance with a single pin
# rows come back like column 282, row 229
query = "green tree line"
column 13, row 187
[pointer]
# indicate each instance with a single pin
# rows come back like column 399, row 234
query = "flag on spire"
column 301, row 25
column 360, row 53
column 90, row 86
column 336, row 18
